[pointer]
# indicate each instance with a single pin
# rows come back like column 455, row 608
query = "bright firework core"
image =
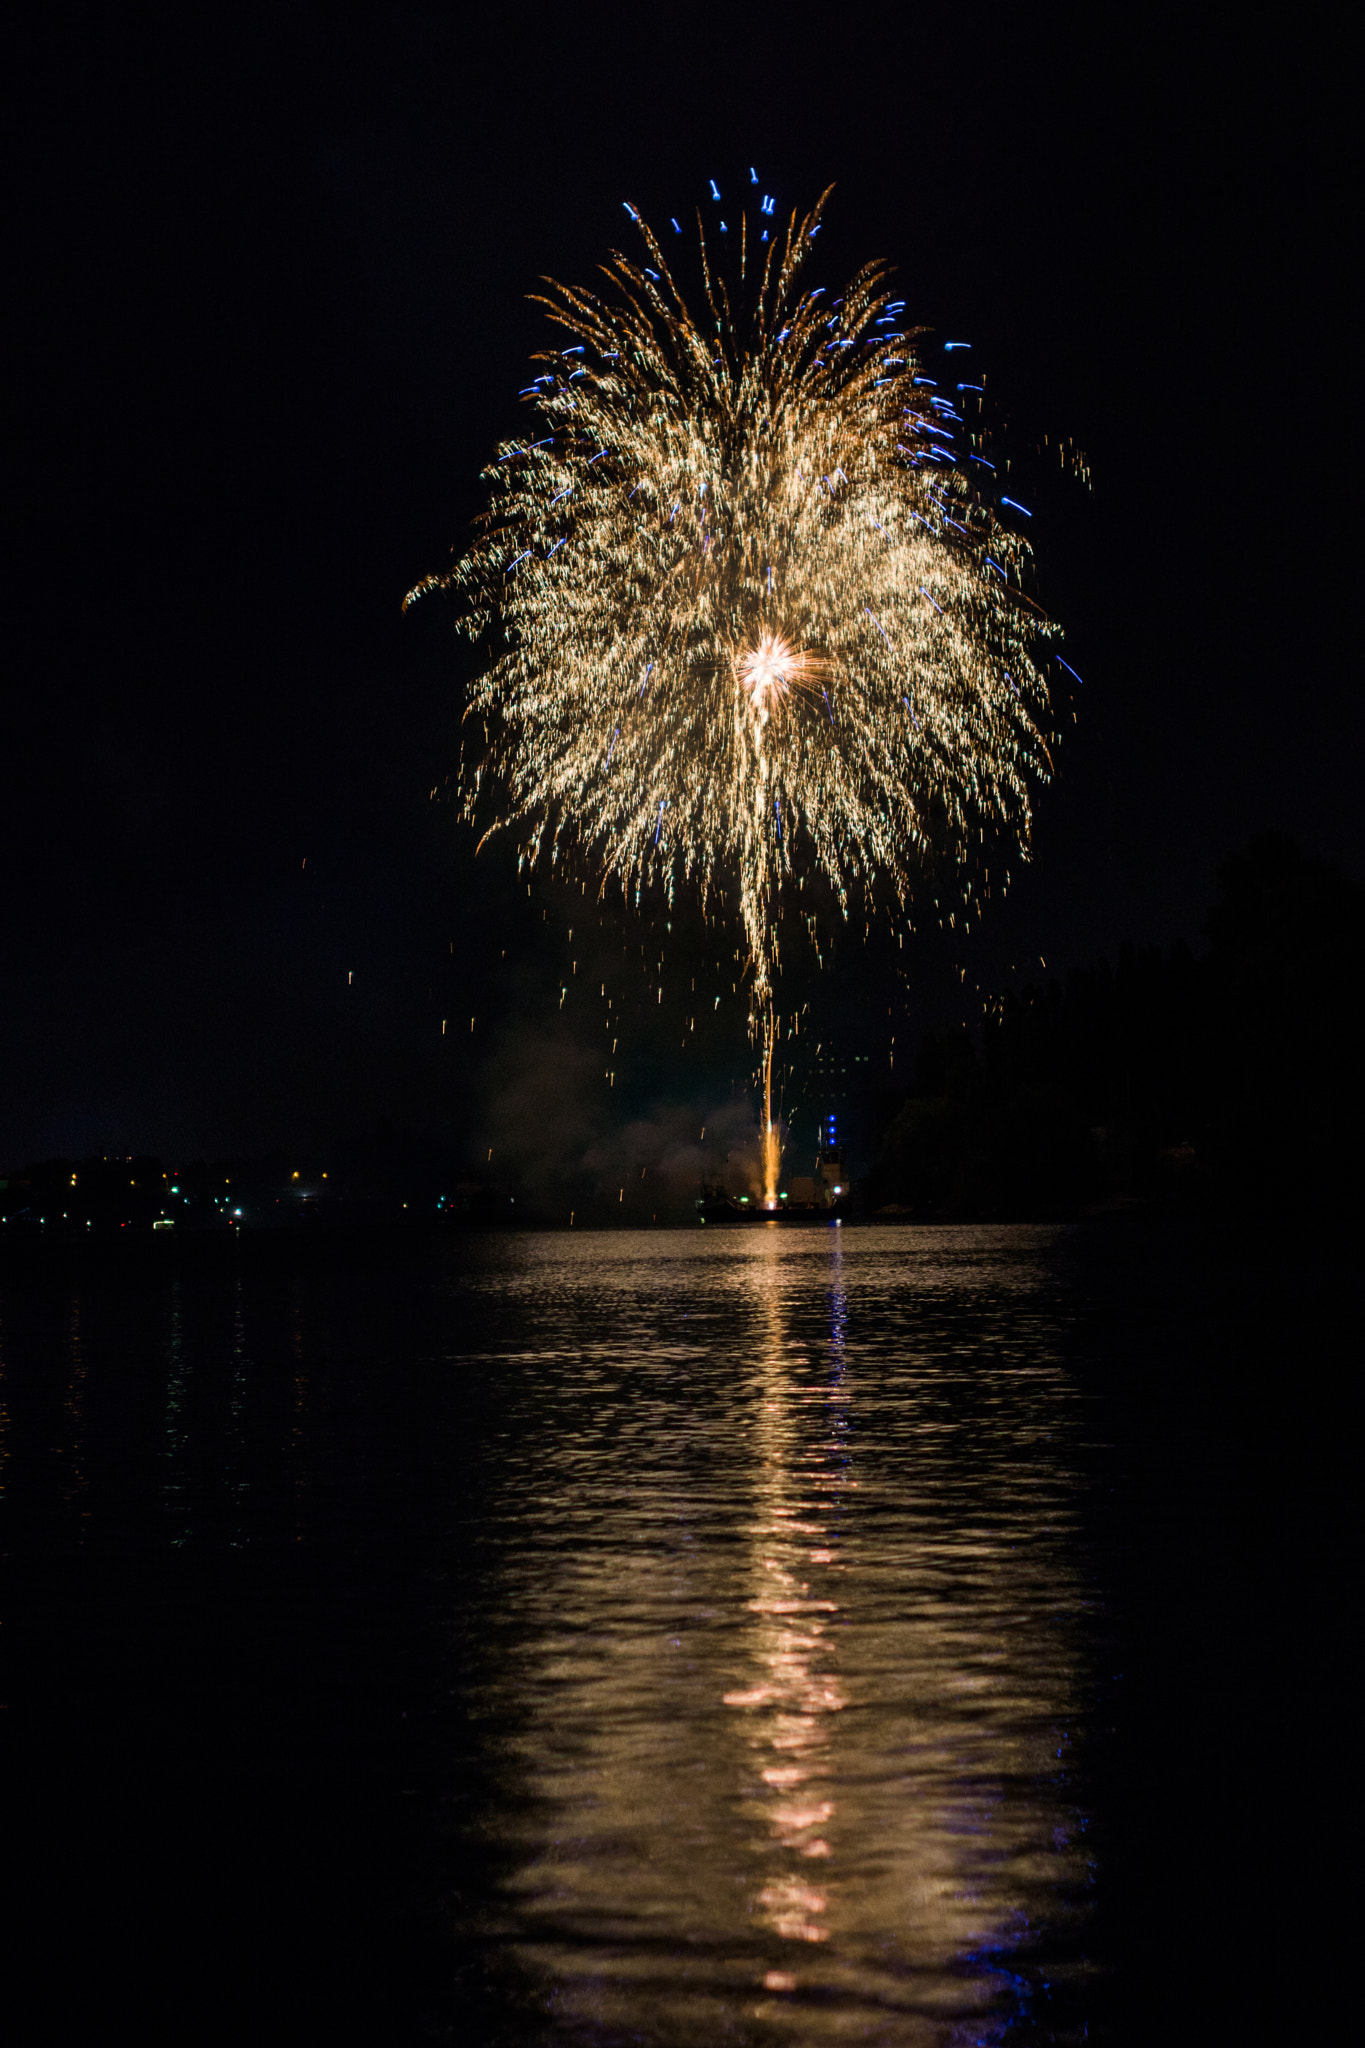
column 768, row 671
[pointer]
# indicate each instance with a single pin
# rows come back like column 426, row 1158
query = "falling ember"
column 756, row 618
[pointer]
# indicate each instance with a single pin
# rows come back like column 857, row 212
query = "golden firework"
column 751, row 611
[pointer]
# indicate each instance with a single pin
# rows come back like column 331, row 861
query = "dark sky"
column 272, row 318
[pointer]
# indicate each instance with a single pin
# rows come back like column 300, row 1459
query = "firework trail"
column 752, row 615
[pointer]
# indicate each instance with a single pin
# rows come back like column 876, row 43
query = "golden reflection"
column 801, row 1466
column 786, row 1699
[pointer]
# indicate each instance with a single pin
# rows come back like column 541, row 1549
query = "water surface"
column 681, row 1637
column 792, row 1558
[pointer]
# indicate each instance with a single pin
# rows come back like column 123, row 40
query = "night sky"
column 272, row 318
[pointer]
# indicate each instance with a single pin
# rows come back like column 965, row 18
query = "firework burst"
column 751, row 611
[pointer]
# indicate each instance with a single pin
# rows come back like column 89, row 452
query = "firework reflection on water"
column 797, row 1653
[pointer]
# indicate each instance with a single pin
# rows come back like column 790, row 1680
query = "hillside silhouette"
column 1232, row 1077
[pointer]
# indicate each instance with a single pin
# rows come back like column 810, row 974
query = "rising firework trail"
column 753, row 612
